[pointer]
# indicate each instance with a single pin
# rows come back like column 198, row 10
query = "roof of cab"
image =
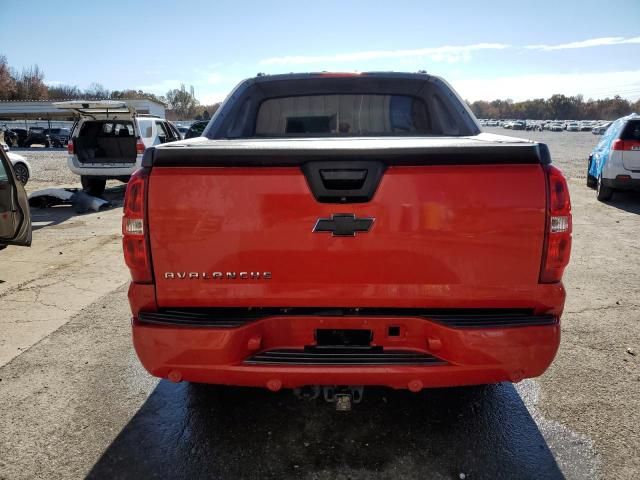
column 262, row 77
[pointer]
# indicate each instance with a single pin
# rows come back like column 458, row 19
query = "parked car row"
column 25, row 138
column 593, row 126
column 59, row 137
column 601, row 128
column 107, row 142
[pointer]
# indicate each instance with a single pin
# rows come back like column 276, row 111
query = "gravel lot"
column 569, row 151
column 74, row 400
column 49, row 168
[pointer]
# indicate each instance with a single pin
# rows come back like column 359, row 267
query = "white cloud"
column 212, row 78
column 448, row 54
column 523, row 87
column 160, row 88
column 209, row 98
column 201, row 80
column 593, row 42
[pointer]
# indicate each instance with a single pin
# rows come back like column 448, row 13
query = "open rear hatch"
column 433, row 223
column 98, row 108
column 107, row 134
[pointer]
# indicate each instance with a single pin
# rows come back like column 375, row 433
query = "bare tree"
column 7, row 82
column 96, row 90
column 30, row 84
column 129, row 94
column 558, row 107
column 182, row 102
column 64, row 92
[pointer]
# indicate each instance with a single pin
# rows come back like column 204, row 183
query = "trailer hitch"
column 343, row 396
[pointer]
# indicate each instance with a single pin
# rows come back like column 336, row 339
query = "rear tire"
column 592, row 182
column 93, row 185
column 604, row 193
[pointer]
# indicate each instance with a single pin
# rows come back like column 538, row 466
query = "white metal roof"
column 21, row 109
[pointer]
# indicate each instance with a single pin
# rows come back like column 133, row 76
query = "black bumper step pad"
column 343, row 356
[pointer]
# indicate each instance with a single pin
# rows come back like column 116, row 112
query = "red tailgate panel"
column 443, row 236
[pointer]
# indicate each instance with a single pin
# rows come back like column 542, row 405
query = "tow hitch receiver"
column 343, row 402
column 343, row 397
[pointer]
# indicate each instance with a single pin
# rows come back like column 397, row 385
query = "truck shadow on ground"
column 196, row 431
column 627, row 201
column 56, row 215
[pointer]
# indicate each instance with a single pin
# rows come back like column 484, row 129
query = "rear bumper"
column 106, row 170
column 251, row 354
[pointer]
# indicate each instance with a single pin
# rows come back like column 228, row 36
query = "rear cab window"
column 324, row 105
column 342, row 115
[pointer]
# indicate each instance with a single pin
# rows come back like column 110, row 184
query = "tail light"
column 557, row 246
column 139, row 146
column 135, row 239
column 626, row 145
column 70, row 147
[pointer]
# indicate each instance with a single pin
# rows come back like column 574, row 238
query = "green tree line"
column 557, row 107
column 29, row 84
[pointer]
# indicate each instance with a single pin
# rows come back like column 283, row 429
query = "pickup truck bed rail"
column 202, row 152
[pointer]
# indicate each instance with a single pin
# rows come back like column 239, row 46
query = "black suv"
column 59, row 136
column 15, row 137
column 37, row 136
column 20, row 137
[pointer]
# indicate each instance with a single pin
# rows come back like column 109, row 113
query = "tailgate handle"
column 343, row 179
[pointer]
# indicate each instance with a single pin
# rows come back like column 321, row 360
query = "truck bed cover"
column 480, row 149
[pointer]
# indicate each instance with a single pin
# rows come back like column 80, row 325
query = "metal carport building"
column 43, row 110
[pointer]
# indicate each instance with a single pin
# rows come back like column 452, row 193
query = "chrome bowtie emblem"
column 343, row 225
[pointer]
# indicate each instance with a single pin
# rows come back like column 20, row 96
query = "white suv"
column 108, row 140
column 614, row 164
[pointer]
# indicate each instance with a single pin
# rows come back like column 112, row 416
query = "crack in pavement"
column 604, row 307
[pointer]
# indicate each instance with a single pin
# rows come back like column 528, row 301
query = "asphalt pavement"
column 78, row 403
column 75, row 402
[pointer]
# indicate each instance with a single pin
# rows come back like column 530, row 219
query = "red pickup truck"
column 339, row 230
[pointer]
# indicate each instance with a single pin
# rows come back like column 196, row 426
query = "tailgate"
column 631, row 145
column 430, row 235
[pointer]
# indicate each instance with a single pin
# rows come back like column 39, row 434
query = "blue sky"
column 485, row 49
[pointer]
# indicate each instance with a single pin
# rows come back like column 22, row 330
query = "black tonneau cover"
column 480, row 149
